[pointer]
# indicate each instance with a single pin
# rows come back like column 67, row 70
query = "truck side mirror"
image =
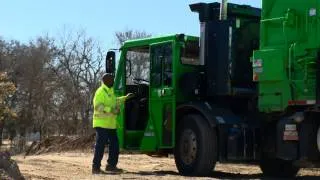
column 111, row 62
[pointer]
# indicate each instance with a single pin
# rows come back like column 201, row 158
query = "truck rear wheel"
column 278, row 168
column 196, row 148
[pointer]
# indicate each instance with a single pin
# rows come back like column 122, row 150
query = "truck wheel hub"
column 188, row 147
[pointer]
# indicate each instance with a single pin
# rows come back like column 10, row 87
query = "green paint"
column 289, row 44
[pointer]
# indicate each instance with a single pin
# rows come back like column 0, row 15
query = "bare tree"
column 139, row 60
column 56, row 79
column 129, row 34
column 79, row 66
column 36, row 83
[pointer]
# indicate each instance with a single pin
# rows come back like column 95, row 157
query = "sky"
column 24, row 20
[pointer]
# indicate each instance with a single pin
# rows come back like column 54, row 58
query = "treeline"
column 54, row 80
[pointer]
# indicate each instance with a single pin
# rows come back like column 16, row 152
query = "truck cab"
column 152, row 70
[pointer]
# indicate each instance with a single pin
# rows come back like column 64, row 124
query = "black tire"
column 196, row 148
column 278, row 168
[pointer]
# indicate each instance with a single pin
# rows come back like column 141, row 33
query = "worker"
column 106, row 109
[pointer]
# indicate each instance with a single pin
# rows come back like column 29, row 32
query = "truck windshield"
column 138, row 59
column 190, row 53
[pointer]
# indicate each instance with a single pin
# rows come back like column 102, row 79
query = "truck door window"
column 156, row 67
column 167, row 72
column 162, row 65
column 139, row 60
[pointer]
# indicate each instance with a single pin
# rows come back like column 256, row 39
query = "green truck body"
column 286, row 63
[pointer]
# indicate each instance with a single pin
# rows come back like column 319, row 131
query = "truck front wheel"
column 196, row 147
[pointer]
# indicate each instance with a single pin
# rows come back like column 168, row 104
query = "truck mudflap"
column 287, row 140
column 298, row 140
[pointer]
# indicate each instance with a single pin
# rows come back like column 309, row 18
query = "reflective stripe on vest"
column 104, row 115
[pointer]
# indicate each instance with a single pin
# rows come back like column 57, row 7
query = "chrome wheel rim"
column 188, row 146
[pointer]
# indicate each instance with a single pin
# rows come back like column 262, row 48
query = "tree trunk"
column 40, row 134
column 1, row 131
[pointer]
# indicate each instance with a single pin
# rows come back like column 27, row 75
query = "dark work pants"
column 103, row 136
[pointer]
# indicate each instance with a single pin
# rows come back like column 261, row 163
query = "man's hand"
column 122, row 99
column 129, row 95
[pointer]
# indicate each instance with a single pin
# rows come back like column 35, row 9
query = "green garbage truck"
column 246, row 90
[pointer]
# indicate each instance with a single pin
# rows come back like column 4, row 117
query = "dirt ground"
column 72, row 165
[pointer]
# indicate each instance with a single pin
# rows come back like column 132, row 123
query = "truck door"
column 162, row 95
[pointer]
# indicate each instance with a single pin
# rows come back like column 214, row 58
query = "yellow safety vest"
column 104, row 102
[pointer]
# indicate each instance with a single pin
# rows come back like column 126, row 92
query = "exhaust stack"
column 224, row 10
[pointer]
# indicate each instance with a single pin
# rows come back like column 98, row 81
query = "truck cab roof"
column 152, row 40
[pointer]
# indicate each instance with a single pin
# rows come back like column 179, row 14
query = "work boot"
column 96, row 171
column 113, row 169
